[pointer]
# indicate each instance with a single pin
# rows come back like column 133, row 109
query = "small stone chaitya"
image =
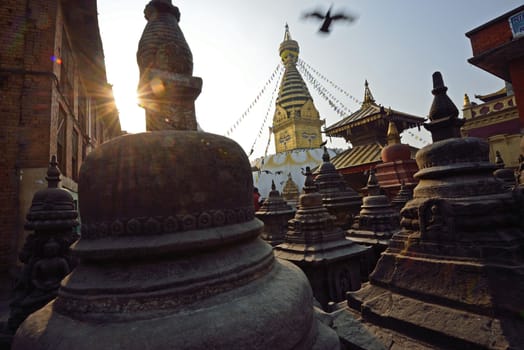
column 339, row 199
column 275, row 213
column 377, row 222
column 319, row 247
column 46, row 255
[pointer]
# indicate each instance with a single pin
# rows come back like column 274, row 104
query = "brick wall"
column 490, row 37
column 31, row 97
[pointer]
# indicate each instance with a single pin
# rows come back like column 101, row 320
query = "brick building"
column 54, row 99
column 498, row 48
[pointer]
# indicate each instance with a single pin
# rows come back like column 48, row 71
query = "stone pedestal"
column 275, row 213
column 315, row 244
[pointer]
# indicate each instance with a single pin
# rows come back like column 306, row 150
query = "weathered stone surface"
column 454, row 276
column 443, row 114
column 46, row 256
column 320, row 249
column 275, row 213
column 170, row 251
column 339, row 199
column 377, row 223
column 167, row 90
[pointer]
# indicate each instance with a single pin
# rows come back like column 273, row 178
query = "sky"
column 394, row 45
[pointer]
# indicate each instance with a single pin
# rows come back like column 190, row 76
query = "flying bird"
column 328, row 18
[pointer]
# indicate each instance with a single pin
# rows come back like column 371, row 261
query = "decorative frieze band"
column 158, row 225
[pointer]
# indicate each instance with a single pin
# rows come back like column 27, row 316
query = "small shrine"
column 46, row 255
column 290, row 192
column 366, row 130
column 316, row 245
column 377, row 222
column 452, row 278
column 166, row 260
column 397, row 165
column 275, row 213
column 339, row 199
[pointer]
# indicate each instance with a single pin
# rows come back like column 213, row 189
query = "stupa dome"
column 164, row 190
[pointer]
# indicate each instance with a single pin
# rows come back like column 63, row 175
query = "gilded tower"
column 296, row 123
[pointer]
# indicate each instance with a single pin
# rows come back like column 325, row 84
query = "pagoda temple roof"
column 371, row 112
column 494, row 95
column 358, row 156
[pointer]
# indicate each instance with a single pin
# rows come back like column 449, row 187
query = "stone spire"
column 443, row 114
column 170, row 245
column 275, row 213
column 339, row 199
column 315, row 244
column 167, row 90
column 296, row 122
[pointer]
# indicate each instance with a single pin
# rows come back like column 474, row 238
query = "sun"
column 132, row 116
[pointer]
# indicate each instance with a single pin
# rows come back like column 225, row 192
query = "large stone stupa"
column 167, row 261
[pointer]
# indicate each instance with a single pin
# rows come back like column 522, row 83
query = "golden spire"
column 287, row 35
column 393, row 136
column 467, row 102
column 368, row 97
column 296, row 122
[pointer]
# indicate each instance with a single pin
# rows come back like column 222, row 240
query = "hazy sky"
column 395, row 45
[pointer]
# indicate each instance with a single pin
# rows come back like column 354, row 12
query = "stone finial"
column 53, row 173
column 167, row 89
column 443, row 114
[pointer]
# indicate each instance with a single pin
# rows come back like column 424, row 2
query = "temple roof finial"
column 368, row 96
column 393, row 136
column 287, row 35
